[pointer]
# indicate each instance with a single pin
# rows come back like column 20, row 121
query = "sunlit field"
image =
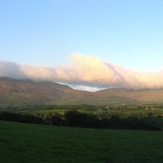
column 93, row 109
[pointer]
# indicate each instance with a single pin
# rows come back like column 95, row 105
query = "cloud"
column 10, row 69
column 85, row 71
column 92, row 71
column 38, row 72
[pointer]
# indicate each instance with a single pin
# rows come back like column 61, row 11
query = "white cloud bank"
column 86, row 71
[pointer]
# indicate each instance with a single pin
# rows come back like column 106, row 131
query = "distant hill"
column 26, row 92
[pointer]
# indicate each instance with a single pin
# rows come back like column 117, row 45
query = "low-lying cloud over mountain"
column 85, row 71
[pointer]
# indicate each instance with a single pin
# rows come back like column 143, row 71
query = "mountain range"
column 15, row 92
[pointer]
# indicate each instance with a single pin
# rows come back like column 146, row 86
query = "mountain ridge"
column 18, row 92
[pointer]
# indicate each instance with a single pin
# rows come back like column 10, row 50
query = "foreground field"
column 38, row 143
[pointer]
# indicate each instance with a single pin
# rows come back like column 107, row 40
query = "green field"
column 97, row 111
column 40, row 143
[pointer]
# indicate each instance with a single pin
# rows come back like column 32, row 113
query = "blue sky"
column 128, row 33
column 123, row 32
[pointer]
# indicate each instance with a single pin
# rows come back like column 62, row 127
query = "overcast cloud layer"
column 86, row 71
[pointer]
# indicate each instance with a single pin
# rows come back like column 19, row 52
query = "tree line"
column 75, row 118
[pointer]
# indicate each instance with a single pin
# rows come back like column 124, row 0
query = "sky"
column 84, row 43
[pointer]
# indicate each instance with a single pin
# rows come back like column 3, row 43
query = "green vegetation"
column 95, row 109
column 77, row 118
column 40, row 143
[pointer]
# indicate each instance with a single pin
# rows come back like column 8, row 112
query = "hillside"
column 142, row 95
column 26, row 92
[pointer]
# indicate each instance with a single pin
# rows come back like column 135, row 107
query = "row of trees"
column 88, row 120
column 80, row 119
column 10, row 116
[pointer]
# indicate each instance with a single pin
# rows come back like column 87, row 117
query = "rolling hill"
column 27, row 92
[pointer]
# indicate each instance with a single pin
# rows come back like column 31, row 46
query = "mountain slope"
column 26, row 92
column 144, row 95
column 23, row 92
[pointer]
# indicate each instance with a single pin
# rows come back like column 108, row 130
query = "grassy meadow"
column 96, row 111
column 40, row 143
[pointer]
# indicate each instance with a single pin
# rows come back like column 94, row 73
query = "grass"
column 44, row 112
column 38, row 143
column 126, row 112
